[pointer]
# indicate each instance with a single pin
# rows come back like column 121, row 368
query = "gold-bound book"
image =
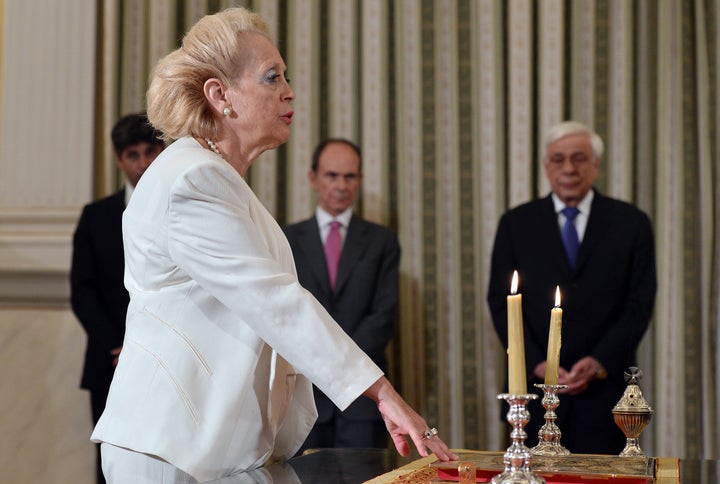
column 575, row 468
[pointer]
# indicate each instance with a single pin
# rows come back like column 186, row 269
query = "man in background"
column 351, row 266
column 98, row 296
column 601, row 253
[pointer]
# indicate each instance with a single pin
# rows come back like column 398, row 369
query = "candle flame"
column 557, row 296
column 514, row 284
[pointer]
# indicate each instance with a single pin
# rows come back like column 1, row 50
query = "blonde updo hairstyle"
column 212, row 48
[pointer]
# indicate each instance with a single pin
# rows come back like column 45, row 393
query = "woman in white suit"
column 222, row 343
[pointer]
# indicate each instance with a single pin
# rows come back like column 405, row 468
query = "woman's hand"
column 401, row 421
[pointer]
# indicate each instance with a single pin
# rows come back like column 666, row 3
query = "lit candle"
column 517, row 382
column 554, row 342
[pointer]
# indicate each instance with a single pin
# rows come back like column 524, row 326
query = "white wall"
column 46, row 142
column 46, row 145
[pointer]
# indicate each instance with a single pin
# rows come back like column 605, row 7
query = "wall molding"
column 35, row 255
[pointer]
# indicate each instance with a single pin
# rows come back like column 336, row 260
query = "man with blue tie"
column 601, row 253
column 351, row 266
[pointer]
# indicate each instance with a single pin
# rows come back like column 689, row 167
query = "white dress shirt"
column 581, row 219
column 324, row 219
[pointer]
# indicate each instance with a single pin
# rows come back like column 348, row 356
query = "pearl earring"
column 227, row 111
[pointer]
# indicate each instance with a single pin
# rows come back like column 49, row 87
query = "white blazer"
column 220, row 335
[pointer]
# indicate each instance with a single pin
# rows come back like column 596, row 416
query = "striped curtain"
column 449, row 100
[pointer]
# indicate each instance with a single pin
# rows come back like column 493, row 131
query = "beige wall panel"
column 582, row 70
column 713, row 449
column 106, row 178
column 521, row 153
column 375, row 110
column 643, row 135
column 263, row 174
column 162, row 36
column 488, row 130
column 448, row 221
column 552, row 69
column 410, row 196
column 194, row 10
column 302, row 60
column 669, row 305
column 708, row 227
column 135, row 59
column 343, row 67
column 619, row 149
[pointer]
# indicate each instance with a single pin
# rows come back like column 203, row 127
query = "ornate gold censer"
column 632, row 413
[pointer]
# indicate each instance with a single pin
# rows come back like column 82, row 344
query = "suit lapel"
column 115, row 208
column 312, row 246
column 556, row 246
column 597, row 224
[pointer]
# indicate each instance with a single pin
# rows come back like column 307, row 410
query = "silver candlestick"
column 549, row 434
column 517, row 457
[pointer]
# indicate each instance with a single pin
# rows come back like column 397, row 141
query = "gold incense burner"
column 632, row 414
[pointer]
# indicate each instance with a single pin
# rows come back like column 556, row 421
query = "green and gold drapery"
column 449, row 100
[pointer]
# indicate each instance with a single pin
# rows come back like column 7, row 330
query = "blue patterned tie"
column 569, row 234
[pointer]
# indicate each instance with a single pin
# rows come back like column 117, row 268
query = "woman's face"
column 260, row 97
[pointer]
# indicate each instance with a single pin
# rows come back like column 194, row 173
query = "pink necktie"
column 333, row 247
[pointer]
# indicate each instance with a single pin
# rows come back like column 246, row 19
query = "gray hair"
column 567, row 128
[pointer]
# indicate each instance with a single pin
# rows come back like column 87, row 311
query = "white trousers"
column 124, row 466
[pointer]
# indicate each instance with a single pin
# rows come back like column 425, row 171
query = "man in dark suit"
column 362, row 299
column 608, row 288
column 98, row 295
